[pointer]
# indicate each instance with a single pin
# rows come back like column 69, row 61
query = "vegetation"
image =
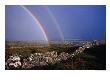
column 91, row 59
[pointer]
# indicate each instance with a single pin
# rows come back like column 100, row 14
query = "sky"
column 60, row 22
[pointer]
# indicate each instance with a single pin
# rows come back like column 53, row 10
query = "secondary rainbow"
column 55, row 21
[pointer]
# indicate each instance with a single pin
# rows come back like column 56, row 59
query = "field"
column 88, row 55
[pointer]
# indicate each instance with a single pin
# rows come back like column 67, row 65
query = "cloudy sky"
column 55, row 22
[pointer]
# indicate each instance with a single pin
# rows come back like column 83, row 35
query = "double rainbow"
column 41, row 26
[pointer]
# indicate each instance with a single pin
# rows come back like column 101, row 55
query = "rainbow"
column 37, row 21
column 55, row 21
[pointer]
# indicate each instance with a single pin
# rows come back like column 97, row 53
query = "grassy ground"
column 91, row 59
